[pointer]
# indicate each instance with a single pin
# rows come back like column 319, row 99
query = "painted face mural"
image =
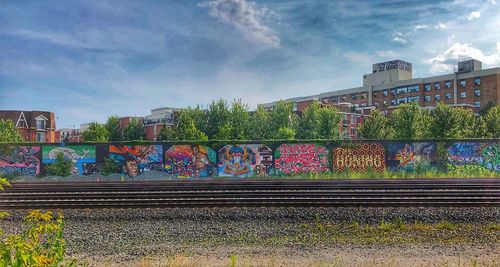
column 22, row 160
column 78, row 155
column 184, row 161
column 301, row 158
column 485, row 155
column 361, row 157
column 245, row 160
column 137, row 159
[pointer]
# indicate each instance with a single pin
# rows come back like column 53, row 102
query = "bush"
column 110, row 166
column 40, row 244
column 61, row 166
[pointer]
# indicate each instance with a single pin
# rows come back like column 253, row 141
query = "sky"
column 86, row 60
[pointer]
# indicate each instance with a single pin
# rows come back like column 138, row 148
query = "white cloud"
column 246, row 17
column 474, row 15
column 389, row 54
column 418, row 27
column 440, row 26
column 444, row 62
column 399, row 40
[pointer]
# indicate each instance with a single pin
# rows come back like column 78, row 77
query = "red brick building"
column 391, row 84
column 34, row 126
column 159, row 117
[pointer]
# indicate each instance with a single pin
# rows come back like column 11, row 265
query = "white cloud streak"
column 474, row 15
column 246, row 17
column 443, row 62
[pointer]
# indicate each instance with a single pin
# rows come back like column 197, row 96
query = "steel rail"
column 251, row 193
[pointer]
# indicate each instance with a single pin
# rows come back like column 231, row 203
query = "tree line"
column 233, row 121
column 409, row 121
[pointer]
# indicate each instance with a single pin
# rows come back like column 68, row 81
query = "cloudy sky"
column 86, row 60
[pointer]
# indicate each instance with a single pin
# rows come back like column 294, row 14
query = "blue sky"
column 86, row 60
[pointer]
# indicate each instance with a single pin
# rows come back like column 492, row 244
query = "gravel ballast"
column 134, row 232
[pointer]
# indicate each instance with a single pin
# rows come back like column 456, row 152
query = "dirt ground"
column 374, row 255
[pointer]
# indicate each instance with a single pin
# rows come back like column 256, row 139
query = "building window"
column 374, row 94
column 345, row 120
column 363, row 96
column 427, row 87
column 393, row 102
column 477, row 92
column 353, row 131
column 463, row 83
column 413, row 99
column 463, row 94
column 477, row 104
column 358, row 119
column 477, row 81
column 354, row 97
column 437, row 86
column 40, row 137
column 40, row 124
column 427, row 98
column 447, row 95
column 393, row 92
column 385, row 92
column 413, row 88
column 447, row 84
column 385, row 102
column 437, row 97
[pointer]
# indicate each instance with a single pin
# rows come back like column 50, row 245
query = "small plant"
column 110, row 166
column 40, row 244
column 60, row 167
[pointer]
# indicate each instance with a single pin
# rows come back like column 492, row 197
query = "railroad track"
column 248, row 193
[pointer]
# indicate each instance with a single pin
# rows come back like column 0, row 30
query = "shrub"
column 40, row 244
column 61, row 166
column 110, row 166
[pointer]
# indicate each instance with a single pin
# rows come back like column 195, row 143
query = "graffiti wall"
column 359, row 158
column 475, row 154
column 184, row 161
column 245, row 160
column 78, row 155
column 135, row 160
column 20, row 160
column 300, row 158
column 411, row 156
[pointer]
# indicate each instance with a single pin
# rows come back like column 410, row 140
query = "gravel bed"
column 133, row 232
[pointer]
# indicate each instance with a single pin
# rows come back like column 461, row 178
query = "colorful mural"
column 300, row 158
column 245, row 160
column 359, row 158
column 20, row 160
column 185, row 161
column 77, row 154
column 485, row 155
column 410, row 156
column 137, row 159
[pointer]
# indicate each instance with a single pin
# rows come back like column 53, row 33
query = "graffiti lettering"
column 362, row 157
column 20, row 160
column 301, row 158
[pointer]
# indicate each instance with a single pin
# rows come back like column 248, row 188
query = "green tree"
column 282, row 116
column 218, row 116
column 451, row 122
column 479, row 130
column 375, row 127
column 259, row 128
column 484, row 110
column 408, row 121
column 60, row 167
column 492, row 121
column 285, row 133
column 8, row 132
column 96, row 133
column 329, row 123
column 134, row 130
column 114, row 130
column 309, row 124
column 167, row 133
column 224, row 133
column 239, row 121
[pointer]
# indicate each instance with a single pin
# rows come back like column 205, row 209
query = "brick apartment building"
column 159, row 117
column 34, row 126
column 391, row 84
